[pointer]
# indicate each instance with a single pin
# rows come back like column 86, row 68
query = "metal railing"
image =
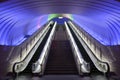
column 39, row 65
column 89, row 47
column 29, row 49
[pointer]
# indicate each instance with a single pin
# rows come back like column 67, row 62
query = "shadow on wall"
column 3, row 0
column 118, row 0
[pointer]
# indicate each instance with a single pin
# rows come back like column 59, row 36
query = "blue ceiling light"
column 21, row 18
column 105, row 31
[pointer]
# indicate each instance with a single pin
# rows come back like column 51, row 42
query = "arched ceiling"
column 100, row 18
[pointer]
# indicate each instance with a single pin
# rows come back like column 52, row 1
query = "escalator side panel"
column 84, row 53
column 37, row 53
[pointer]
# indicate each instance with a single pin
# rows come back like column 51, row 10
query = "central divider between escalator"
column 60, row 60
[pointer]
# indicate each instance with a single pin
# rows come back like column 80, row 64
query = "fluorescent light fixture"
column 60, row 17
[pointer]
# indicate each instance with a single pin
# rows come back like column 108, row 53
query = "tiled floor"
column 64, row 77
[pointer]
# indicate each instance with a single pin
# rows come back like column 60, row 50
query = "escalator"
column 60, row 59
column 85, row 55
column 35, row 57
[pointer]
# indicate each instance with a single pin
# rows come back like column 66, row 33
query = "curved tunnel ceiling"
column 100, row 18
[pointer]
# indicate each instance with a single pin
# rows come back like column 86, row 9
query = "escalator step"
column 60, row 59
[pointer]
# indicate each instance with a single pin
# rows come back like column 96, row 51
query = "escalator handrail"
column 40, row 63
column 82, row 63
column 77, row 32
column 20, row 63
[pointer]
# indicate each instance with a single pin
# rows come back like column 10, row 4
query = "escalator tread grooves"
column 60, row 58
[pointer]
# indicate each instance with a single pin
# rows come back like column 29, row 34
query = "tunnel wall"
column 16, row 24
column 98, row 17
column 20, row 18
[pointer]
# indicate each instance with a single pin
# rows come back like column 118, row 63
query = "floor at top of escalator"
column 63, row 77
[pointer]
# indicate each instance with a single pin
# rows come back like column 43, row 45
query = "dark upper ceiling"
column 61, row 6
